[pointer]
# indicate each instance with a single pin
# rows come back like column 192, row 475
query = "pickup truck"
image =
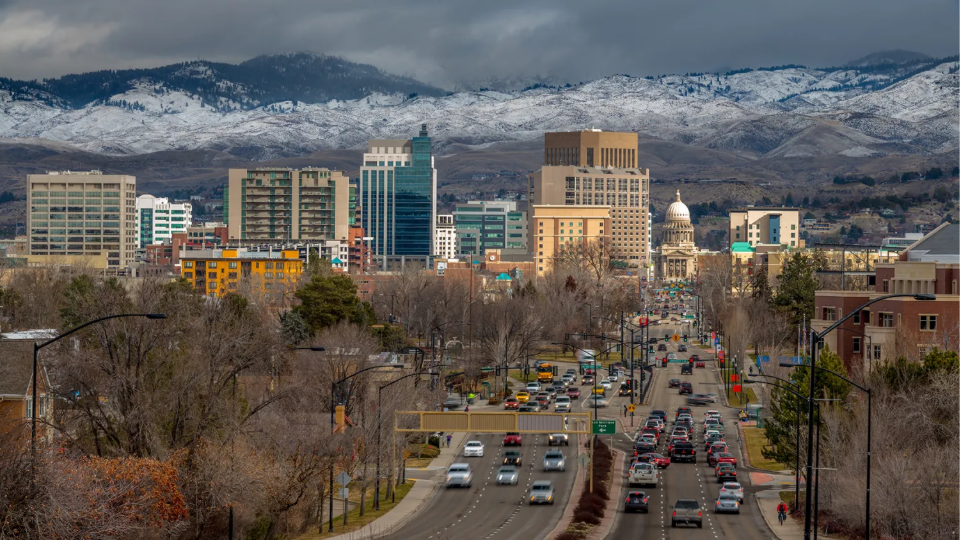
column 683, row 451
column 643, row 473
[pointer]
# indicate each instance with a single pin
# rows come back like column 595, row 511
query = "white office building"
column 445, row 242
column 158, row 219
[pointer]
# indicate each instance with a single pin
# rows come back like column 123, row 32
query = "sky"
column 452, row 43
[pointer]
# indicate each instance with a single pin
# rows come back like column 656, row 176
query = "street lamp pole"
column 36, row 364
column 796, row 468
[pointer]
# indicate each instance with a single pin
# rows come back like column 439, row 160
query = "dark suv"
column 683, row 451
column 686, row 388
column 686, row 369
column 687, row 511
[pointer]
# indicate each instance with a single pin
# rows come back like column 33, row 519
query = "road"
column 487, row 510
column 686, row 480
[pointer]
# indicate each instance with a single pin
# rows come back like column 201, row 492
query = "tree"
column 955, row 172
column 942, row 194
column 934, row 173
column 325, row 301
column 796, row 288
column 809, row 215
column 293, row 328
column 760, row 286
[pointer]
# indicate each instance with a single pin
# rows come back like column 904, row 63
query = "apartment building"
column 590, row 148
column 556, row 228
column 445, row 240
column 216, row 272
column 82, row 218
column 267, row 205
column 489, row 225
column 766, row 225
column 398, row 194
column 158, row 219
column 626, row 192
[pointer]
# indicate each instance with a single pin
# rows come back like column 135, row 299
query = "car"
column 732, row 488
column 529, row 407
column 700, row 364
column 572, row 371
column 541, row 492
column 636, row 501
column 714, row 425
column 652, row 431
column 674, row 319
column 686, row 369
column 568, row 378
column 726, row 457
column 508, row 474
column 726, row 473
column 710, row 438
column 533, row 387
column 727, row 503
column 644, row 447
column 671, row 356
column 587, row 379
column 694, row 357
column 659, row 413
column 543, row 401
column 661, row 461
column 648, row 438
column 607, row 384
column 558, row 439
column 452, row 403
column 674, row 383
column 511, row 403
column 716, row 448
column 563, row 404
column 573, row 392
column 711, row 413
column 473, row 449
column 696, row 400
column 595, row 401
column 654, row 423
column 553, row 460
column 683, row 410
column 546, row 393
column 459, row 475
column 686, row 388
column 513, row 457
column 682, row 348
column 683, row 451
column 643, row 474
column 555, row 390
column 512, row 439
column 523, row 397
column 686, row 511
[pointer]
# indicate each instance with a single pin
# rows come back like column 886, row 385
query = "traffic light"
column 684, row 338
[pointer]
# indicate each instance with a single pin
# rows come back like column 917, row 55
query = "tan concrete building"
column 555, row 228
column 626, row 192
column 82, row 218
column 676, row 258
column 766, row 225
column 591, row 148
column 281, row 204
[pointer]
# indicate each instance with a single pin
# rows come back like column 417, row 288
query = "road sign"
column 584, row 459
column 344, row 493
column 675, row 338
column 604, row 427
column 631, row 407
column 343, row 478
column 720, row 354
column 736, row 388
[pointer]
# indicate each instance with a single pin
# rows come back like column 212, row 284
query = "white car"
column 643, row 473
column 607, row 384
column 733, row 488
column 473, row 449
column 533, row 387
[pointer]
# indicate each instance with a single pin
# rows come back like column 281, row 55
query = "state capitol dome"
column 678, row 211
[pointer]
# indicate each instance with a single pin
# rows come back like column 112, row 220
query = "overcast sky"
column 449, row 41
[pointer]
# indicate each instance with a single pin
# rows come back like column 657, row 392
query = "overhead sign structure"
column 491, row 422
column 604, row 427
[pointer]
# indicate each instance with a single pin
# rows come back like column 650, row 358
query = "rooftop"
column 240, row 254
column 941, row 245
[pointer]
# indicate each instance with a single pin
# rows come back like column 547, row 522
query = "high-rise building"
column 625, row 191
column 591, row 148
column 766, row 225
column 555, row 228
column 87, row 217
column 398, row 195
column 446, row 238
column 288, row 205
column 485, row 225
column 158, row 219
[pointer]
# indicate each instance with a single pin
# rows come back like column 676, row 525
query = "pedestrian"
column 466, row 409
column 449, row 437
column 624, row 410
column 782, row 512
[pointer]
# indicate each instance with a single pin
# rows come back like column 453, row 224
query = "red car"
column 662, row 462
column 652, row 431
column 511, row 403
column 701, row 364
column 726, row 457
column 713, row 455
column 573, row 392
column 512, row 439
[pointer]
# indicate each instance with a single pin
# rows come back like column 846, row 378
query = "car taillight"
column 674, row 513
column 646, row 499
column 699, row 515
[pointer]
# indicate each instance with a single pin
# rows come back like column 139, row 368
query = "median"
column 592, row 506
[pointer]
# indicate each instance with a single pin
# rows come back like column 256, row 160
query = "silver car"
column 558, row 439
column 508, row 474
column 459, row 475
column 732, row 488
column 553, row 461
column 541, row 492
column 600, row 402
column 727, row 502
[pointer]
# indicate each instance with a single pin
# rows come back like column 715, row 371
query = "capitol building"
column 676, row 257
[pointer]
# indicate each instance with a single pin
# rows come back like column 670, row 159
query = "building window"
column 829, row 314
column 188, row 264
column 856, row 345
column 928, row 323
column 232, row 265
column 885, row 320
column 876, row 352
column 212, row 265
column 886, row 285
column 212, row 275
column 866, row 316
column 856, row 318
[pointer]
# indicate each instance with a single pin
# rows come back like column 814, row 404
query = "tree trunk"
column 363, row 488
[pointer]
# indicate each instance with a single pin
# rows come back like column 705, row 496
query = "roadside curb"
column 613, row 505
column 567, row 518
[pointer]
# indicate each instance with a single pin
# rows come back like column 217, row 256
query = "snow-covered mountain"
column 791, row 111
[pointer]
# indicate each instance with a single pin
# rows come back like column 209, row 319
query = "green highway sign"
column 604, row 427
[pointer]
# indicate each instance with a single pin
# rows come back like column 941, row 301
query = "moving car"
column 661, row 347
column 727, row 502
column 683, row 410
column 659, row 413
column 553, row 461
column 508, row 474
column 533, row 387
column 511, row 403
column 512, row 457
column 643, row 474
column 541, row 492
column 686, row 369
column 660, row 461
column 523, row 397
column 598, row 400
column 682, row 348
column 530, row 407
column 513, row 439
column 644, row 447
column 726, row 472
column 694, row 357
column 568, row 378
column 683, row 451
column 686, row 388
column 637, row 501
column 732, row 488
column 686, row 511
column 587, row 379
column 700, row 364
column 473, row 449
column 563, row 404
column 607, row 384
column 671, row 356
column 459, row 475
column 573, row 392
column 452, row 403
column 674, row 383
column 558, row 439
column 697, row 400
column 726, row 457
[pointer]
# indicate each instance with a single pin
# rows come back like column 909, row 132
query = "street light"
column 796, row 470
column 36, row 362
column 816, row 341
column 333, row 407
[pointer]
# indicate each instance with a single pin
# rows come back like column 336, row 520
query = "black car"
column 726, row 473
column 686, row 369
column 686, row 388
column 683, row 451
column 645, row 448
column 636, row 502
column 682, row 410
column 682, row 348
column 662, row 347
column 674, row 383
column 512, row 457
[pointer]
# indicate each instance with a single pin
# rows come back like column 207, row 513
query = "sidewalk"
column 792, row 528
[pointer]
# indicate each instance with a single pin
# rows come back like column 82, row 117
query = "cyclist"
column 782, row 512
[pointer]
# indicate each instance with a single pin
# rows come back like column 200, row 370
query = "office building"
column 488, row 225
column 445, row 241
column 626, row 192
column 766, row 225
column 267, row 205
column 216, row 272
column 398, row 194
column 82, row 218
column 559, row 229
column 158, row 219
column 590, row 148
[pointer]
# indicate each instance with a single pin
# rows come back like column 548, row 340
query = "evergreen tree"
column 293, row 328
column 327, row 300
column 796, row 286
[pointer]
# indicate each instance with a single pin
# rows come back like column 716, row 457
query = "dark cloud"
column 449, row 42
